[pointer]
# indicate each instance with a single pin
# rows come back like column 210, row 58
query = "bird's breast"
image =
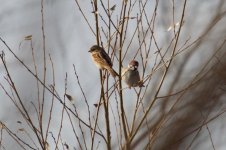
column 97, row 60
column 131, row 77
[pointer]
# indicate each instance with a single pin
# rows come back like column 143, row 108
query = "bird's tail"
column 141, row 83
column 113, row 72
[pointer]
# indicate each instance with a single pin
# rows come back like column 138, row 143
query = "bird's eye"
column 132, row 67
column 135, row 67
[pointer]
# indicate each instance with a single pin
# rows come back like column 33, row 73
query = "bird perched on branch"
column 102, row 60
column 131, row 75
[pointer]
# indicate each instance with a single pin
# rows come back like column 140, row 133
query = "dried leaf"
column 177, row 24
column 126, row 17
column 169, row 28
column 65, row 144
column 47, row 146
column 156, row 52
column 1, row 125
column 95, row 12
column 19, row 122
column 29, row 37
column 174, row 26
column 113, row 8
column 69, row 97
column 21, row 129
column 96, row 105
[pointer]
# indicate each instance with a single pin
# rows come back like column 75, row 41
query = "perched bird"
column 131, row 75
column 102, row 60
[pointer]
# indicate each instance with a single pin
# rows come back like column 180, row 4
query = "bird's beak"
column 89, row 51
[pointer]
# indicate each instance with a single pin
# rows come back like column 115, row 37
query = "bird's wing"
column 124, row 70
column 105, row 57
column 101, row 59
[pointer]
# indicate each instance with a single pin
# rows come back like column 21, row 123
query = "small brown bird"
column 102, row 60
column 131, row 75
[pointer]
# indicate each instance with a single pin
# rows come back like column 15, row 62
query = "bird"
column 102, row 60
column 131, row 76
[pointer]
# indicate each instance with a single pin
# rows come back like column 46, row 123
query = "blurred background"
column 195, row 82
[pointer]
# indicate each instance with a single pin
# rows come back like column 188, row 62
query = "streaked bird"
column 102, row 60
